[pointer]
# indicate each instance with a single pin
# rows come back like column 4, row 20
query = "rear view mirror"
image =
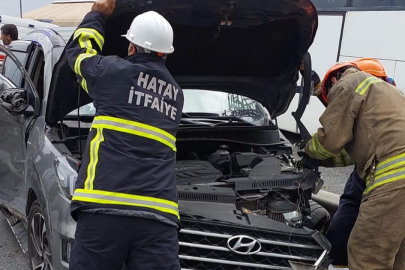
column 15, row 101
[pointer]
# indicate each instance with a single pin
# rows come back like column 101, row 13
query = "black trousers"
column 108, row 242
column 344, row 219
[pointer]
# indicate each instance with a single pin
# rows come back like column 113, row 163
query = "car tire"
column 39, row 249
column 320, row 217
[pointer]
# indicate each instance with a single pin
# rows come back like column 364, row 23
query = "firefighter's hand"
column 106, row 7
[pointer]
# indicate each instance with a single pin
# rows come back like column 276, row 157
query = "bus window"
column 329, row 4
column 378, row 3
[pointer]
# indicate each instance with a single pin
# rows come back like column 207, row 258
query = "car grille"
column 203, row 246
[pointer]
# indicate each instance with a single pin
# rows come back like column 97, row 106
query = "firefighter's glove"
column 301, row 145
column 308, row 162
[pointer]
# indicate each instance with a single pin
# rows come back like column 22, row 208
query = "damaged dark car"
column 245, row 202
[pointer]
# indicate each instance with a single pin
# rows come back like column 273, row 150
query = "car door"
column 15, row 79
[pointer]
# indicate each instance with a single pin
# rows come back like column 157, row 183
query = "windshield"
column 205, row 103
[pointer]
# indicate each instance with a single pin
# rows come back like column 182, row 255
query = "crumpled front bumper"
column 322, row 262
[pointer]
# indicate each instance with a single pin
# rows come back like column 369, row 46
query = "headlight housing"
column 66, row 169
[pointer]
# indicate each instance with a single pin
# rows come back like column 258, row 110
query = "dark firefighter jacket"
column 366, row 118
column 129, row 162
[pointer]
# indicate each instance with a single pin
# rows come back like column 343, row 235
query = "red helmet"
column 334, row 72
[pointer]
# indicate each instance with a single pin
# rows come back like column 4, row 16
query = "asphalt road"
column 11, row 256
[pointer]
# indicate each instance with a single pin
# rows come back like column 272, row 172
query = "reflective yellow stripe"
column 90, row 33
column 365, row 85
column 135, row 128
column 106, row 197
column 387, row 171
column 388, row 177
column 312, row 148
column 78, row 62
column 390, row 164
column 84, row 35
column 91, row 169
column 321, row 149
column 77, row 69
column 318, row 150
column 84, row 85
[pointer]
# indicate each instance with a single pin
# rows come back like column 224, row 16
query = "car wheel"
column 39, row 249
column 320, row 217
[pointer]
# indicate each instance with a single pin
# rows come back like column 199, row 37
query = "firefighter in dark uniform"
column 125, row 201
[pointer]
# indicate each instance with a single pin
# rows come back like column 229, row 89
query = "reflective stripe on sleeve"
column 84, row 36
column 316, row 148
column 135, row 128
column 106, row 197
column 78, row 71
column 90, row 33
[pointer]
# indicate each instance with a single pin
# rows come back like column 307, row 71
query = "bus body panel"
column 374, row 34
column 324, row 52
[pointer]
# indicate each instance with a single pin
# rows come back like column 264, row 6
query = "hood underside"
column 251, row 48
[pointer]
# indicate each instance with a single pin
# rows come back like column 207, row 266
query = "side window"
column 378, row 3
column 37, row 76
column 11, row 71
column 10, row 68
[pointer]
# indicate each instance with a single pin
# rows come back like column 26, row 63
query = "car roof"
column 52, row 37
column 65, row 32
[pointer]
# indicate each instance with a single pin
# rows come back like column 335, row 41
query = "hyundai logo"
column 243, row 244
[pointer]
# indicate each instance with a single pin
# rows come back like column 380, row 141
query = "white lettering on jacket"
column 155, row 85
column 159, row 87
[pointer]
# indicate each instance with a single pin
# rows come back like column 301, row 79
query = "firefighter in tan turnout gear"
column 125, row 201
column 365, row 117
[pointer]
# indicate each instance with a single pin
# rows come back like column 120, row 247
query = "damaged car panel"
column 245, row 202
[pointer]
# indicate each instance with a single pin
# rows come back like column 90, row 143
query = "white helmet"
column 151, row 31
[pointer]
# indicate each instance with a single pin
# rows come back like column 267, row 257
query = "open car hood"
column 248, row 47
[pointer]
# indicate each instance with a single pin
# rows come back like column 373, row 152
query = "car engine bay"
column 223, row 164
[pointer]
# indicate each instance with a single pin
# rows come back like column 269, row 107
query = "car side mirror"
column 15, row 101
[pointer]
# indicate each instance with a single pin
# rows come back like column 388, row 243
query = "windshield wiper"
column 198, row 114
column 215, row 121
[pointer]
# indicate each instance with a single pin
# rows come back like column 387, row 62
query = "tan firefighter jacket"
column 365, row 117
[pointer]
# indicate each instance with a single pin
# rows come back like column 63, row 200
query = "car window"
column 10, row 69
column 225, row 104
column 212, row 102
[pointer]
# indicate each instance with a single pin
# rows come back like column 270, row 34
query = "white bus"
column 351, row 29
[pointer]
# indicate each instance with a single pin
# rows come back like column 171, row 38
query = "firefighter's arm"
column 84, row 48
column 342, row 159
column 337, row 126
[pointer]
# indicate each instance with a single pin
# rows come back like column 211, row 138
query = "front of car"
column 244, row 200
